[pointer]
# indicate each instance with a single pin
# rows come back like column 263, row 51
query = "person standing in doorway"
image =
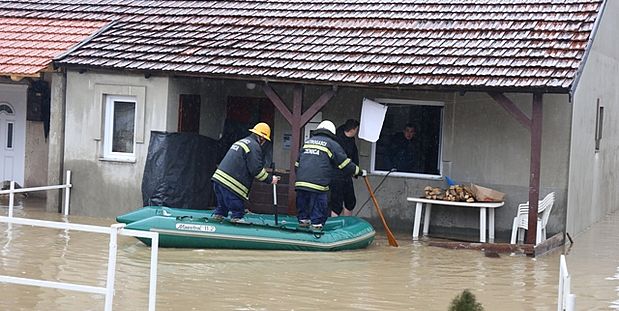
column 319, row 157
column 343, row 199
column 233, row 178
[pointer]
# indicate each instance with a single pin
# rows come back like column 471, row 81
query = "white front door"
column 12, row 132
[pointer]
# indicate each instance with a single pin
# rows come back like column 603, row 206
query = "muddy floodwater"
column 411, row 277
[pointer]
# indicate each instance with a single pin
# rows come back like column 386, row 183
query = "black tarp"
column 178, row 170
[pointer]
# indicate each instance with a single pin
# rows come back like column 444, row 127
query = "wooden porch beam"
column 277, row 102
column 317, row 106
column 536, row 155
column 511, row 108
column 297, row 120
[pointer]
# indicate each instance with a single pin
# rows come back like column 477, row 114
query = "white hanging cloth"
column 372, row 118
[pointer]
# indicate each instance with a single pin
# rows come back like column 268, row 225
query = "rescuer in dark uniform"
column 319, row 157
column 242, row 164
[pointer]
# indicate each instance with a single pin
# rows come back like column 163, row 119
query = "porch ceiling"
column 534, row 44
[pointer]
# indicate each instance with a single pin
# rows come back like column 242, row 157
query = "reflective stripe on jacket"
column 242, row 164
column 318, row 161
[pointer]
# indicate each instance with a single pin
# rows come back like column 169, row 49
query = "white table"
column 490, row 206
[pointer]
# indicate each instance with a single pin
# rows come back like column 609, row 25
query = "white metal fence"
column 114, row 230
column 66, row 186
column 566, row 300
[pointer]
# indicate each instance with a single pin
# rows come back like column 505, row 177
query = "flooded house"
column 517, row 96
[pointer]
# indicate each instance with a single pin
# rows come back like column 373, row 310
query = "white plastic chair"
column 521, row 221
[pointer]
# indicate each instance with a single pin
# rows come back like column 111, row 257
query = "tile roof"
column 28, row 45
column 417, row 43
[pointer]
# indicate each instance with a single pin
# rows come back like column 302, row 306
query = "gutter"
column 581, row 67
column 83, row 42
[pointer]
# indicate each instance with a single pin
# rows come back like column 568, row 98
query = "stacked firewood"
column 456, row 193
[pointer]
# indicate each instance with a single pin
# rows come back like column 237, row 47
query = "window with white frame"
column 410, row 139
column 119, row 135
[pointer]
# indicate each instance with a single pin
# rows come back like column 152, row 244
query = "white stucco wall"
column 107, row 188
column 593, row 179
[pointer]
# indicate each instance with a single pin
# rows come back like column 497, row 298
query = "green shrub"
column 465, row 302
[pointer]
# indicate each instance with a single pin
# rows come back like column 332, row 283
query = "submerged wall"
column 481, row 143
column 593, row 179
column 36, row 156
column 104, row 187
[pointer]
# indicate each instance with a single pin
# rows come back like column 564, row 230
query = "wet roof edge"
column 437, row 88
column 585, row 56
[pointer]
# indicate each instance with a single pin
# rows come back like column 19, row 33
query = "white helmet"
column 327, row 125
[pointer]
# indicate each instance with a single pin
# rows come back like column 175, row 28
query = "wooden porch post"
column 534, row 125
column 297, row 120
column 297, row 106
column 536, row 154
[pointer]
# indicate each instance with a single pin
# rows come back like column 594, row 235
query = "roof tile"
column 450, row 43
column 35, row 42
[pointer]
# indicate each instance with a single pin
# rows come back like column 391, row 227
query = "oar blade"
column 390, row 237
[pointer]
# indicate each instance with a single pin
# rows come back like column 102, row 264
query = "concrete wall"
column 213, row 97
column 37, row 151
column 36, row 156
column 593, row 179
column 103, row 187
column 55, row 160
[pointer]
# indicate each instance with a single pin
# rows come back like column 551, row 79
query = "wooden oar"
column 390, row 236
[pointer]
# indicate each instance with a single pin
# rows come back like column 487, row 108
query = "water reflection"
column 412, row 277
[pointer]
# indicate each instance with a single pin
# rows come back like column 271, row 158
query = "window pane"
column 6, row 108
column 123, row 128
column 9, row 138
column 410, row 140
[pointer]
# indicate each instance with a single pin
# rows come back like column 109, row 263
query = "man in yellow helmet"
column 243, row 163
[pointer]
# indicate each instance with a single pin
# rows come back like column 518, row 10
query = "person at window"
column 403, row 150
column 242, row 163
column 343, row 199
column 319, row 157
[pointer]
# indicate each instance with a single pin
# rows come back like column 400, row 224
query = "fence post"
column 11, row 198
column 111, row 266
column 570, row 303
column 67, row 193
column 152, row 293
column 561, row 284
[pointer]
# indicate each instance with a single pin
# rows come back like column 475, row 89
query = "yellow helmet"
column 263, row 130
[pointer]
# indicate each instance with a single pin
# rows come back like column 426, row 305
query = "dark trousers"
column 228, row 201
column 342, row 194
column 313, row 206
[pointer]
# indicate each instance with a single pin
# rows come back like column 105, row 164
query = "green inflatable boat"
column 183, row 228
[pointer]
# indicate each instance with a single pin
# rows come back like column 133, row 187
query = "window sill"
column 408, row 175
column 121, row 160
